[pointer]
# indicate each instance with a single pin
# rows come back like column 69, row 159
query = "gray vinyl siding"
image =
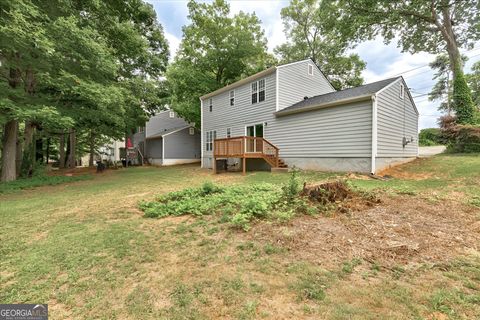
column 396, row 118
column 182, row 145
column 294, row 83
column 154, row 148
column 242, row 114
column 340, row 131
column 162, row 122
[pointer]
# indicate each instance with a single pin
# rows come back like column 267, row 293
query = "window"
column 310, row 69
column 209, row 139
column 232, row 97
column 191, row 131
column 172, row 114
column 229, row 132
column 140, row 129
column 210, row 104
column 258, row 91
column 402, row 91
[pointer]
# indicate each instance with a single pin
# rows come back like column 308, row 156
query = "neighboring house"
column 290, row 115
column 167, row 139
column 112, row 151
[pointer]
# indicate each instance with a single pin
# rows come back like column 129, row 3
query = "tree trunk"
column 47, row 156
column 28, row 152
column 19, row 157
column 92, row 149
column 61, row 159
column 9, row 151
column 71, row 155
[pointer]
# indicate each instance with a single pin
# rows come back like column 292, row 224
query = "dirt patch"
column 402, row 172
column 401, row 230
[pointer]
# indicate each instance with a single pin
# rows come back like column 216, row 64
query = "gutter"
column 323, row 105
column 201, row 133
column 374, row 133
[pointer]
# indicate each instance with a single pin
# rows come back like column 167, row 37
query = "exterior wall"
column 237, row 117
column 154, row 149
column 162, row 122
column 343, row 131
column 397, row 118
column 182, row 145
column 294, row 83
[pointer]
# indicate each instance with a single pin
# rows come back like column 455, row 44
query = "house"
column 167, row 139
column 111, row 152
column 290, row 115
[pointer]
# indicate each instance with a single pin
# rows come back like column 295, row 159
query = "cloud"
column 173, row 43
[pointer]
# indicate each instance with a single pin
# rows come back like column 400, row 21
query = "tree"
column 433, row 26
column 92, row 63
column 217, row 49
column 442, row 89
column 473, row 80
column 308, row 37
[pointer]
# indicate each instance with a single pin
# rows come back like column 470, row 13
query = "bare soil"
column 399, row 231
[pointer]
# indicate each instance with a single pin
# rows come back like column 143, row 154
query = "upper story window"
column 402, row 91
column 310, row 70
column 210, row 104
column 171, row 114
column 140, row 129
column 232, row 97
column 258, row 91
column 191, row 131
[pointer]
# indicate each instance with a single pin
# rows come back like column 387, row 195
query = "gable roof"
column 256, row 76
column 338, row 97
column 163, row 133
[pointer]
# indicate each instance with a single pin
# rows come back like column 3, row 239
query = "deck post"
column 244, row 165
column 214, row 165
column 276, row 158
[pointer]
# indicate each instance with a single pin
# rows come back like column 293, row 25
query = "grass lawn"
column 87, row 250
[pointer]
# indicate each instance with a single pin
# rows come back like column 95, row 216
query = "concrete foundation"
column 331, row 164
column 171, row 162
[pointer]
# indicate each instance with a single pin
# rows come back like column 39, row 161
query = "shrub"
column 292, row 188
column 430, row 137
column 462, row 100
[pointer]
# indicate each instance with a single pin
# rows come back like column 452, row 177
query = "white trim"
column 374, row 133
column 388, row 86
column 191, row 131
column 310, row 66
column 293, row 63
column 163, row 149
column 171, row 114
column 276, row 90
column 201, row 132
column 258, row 91
column 402, row 91
column 172, row 162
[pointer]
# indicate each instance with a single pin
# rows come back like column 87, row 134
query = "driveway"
column 430, row 151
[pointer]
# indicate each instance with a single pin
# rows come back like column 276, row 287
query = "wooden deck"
column 245, row 147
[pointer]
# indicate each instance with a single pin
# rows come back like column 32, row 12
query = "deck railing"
column 246, row 147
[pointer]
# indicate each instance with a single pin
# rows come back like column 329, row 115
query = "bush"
column 467, row 140
column 430, row 137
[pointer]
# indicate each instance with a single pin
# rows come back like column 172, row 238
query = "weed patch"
column 38, row 181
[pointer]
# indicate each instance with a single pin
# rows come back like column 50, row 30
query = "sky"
column 383, row 60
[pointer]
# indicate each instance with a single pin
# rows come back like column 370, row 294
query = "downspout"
column 201, row 133
column 374, row 132
column 163, row 150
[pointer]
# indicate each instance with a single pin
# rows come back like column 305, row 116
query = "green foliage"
column 430, row 137
column 309, row 37
column 464, row 139
column 217, row 49
column 241, row 204
column 463, row 106
column 38, row 181
column 292, row 187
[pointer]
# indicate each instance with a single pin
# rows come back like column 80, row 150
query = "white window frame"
column 402, row 91
column 210, row 137
column 229, row 132
column 257, row 90
column 191, row 131
column 171, row 114
column 231, row 98
column 310, row 69
column 210, row 105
